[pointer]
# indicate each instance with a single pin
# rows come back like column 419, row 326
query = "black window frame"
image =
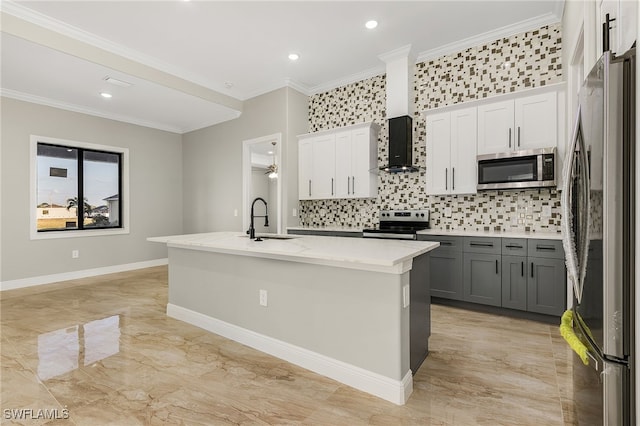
column 80, row 207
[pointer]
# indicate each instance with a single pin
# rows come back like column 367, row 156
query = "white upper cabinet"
column 305, row 166
column 623, row 23
column 323, row 167
column 464, row 136
column 340, row 163
column 495, row 127
column 526, row 122
column 451, row 152
column 536, row 121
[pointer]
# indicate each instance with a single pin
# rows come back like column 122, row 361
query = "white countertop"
column 325, row 228
column 390, row 256
column 501, row 234
column 449, row 232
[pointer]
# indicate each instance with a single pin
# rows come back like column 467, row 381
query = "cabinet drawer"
column 514, row 246
column 550, row 249
column 446, row 243
column 482, row 245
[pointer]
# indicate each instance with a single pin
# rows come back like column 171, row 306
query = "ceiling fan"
column 272, row 170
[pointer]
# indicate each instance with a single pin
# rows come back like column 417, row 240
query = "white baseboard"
column 396, row 391
column 65, row 276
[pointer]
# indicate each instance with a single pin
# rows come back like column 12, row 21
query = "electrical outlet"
column 447, row 212
column 263, row 297
column 75, row 254
column 295, row 212
column 546, row 211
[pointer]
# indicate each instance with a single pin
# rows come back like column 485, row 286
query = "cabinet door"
column 495, row 127
column 446, row 274
column 536, row 121
column 514, row 282
column 482, row 278
column 344, row 160
column 546, row 288
column 627, row 25
column 323, row 170
column 364, row 159
column 305, row 165
column 438, row 153
column 464, row 138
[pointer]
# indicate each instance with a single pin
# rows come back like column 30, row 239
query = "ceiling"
column 191, row 64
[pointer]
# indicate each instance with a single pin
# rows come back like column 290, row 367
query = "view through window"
column 68, row 174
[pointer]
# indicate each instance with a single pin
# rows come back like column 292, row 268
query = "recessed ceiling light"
column 371, row 24
column 228, row 84
column 106, row 95
column 294, row 56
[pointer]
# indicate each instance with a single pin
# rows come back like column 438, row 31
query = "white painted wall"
column 155, row 188
column 212, row 160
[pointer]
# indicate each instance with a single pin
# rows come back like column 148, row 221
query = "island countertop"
column 391, row 256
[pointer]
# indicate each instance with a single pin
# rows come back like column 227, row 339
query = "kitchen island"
column 353, row 309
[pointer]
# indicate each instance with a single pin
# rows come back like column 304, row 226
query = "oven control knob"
column 422, row 214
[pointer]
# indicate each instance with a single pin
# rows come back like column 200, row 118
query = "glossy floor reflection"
column 104, row 350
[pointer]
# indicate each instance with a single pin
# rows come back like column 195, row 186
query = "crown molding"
column 26, row 97
column 343, row 81
column 489, row 36
column 399, row 53
column 41, row 20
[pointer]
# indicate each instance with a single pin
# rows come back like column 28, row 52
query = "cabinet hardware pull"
column 496, row 266
column 518, row 135
column 446, row 178
column 445, row 243
column 513, row 246
column 474, row 244
column 509, row 137
column 353, row 184
column 531, row 269
column 348, row 185
column 453, row 178
column 522, row 269
column 550, row 248
column 309, row 187
column 331, row 186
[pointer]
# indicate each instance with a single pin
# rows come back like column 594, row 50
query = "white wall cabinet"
column 451, row 152
column 340, row 163
column 623, row 17
column 522, row 123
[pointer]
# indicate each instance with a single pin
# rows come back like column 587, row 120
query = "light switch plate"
column 546, row 211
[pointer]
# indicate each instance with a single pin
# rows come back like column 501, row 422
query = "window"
column 78, row 189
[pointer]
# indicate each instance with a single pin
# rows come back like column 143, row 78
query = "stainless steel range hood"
column 399, row 81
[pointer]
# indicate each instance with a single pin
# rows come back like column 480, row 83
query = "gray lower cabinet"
column 545, row 290
column 445, row 272
column 482, row 271
column 546, row 282
column 514, row 273
column 514, row 282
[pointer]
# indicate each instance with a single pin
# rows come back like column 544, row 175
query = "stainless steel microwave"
column 535, row 168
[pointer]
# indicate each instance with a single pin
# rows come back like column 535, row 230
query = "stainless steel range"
column 399, row 224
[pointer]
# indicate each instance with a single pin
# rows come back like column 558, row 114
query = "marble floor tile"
column 104, row 349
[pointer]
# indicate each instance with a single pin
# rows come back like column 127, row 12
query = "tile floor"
column 101, row 351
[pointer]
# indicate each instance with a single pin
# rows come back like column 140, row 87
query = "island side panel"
column 350, row 315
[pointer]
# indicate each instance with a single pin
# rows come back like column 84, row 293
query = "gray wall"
column 155, row 192
column 212, row 160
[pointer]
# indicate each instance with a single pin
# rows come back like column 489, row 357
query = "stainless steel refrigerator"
column 599, row 231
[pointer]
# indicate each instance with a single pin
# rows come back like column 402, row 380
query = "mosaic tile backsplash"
column 474, row 73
